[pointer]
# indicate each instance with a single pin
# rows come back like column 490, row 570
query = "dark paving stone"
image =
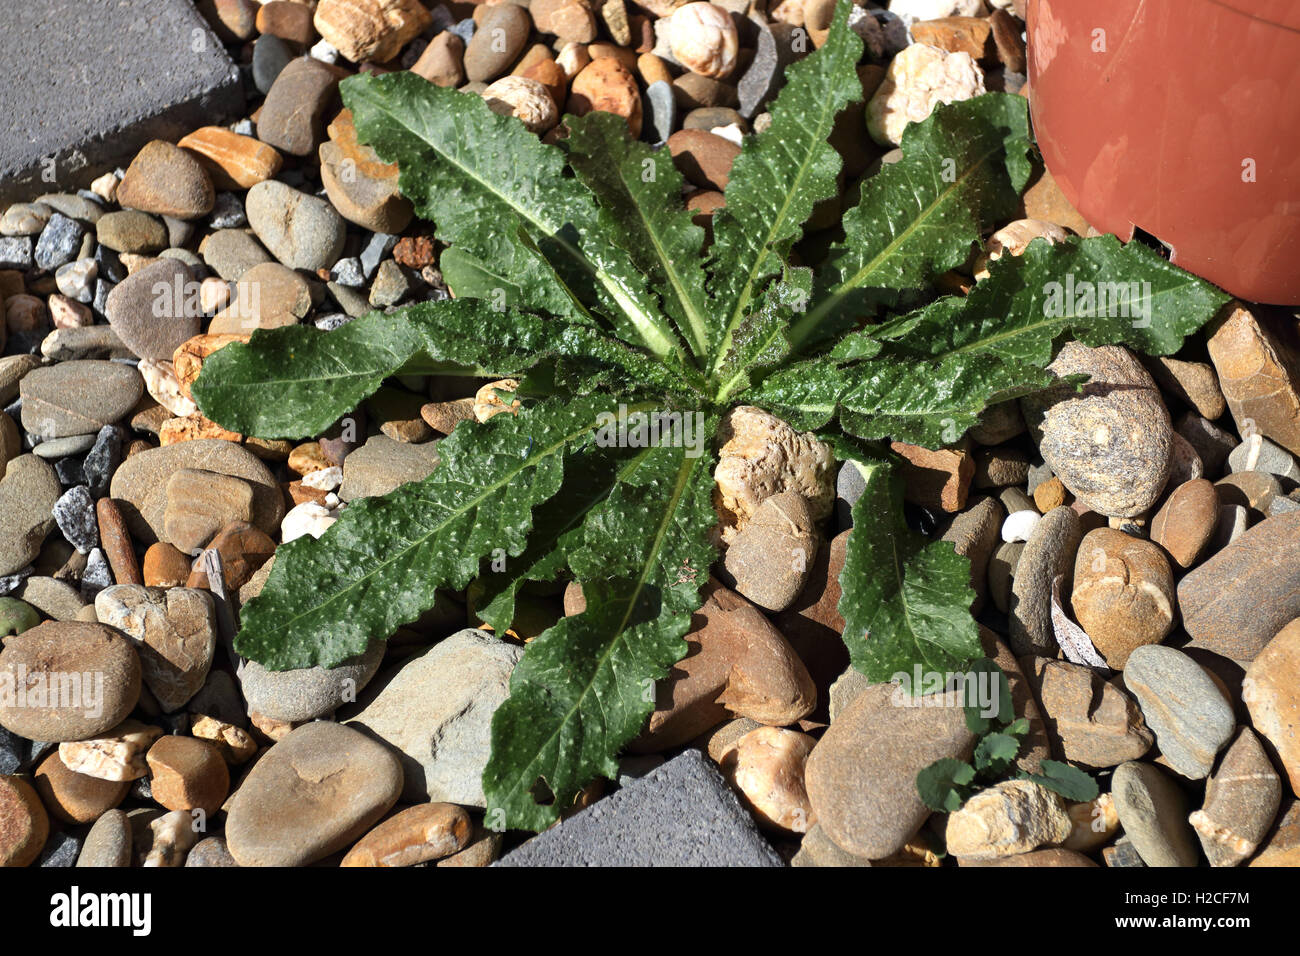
column 682, row 814
column 91, row 81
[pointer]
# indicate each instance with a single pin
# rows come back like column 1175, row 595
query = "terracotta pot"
column 1180, row 117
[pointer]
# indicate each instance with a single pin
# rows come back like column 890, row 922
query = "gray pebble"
column 228, row 212
column 270, row 56
column 661, row 112
column 349, row 272
column 379, row 245
column 1182, row 704
column 76, row 280
column 63, row 447
column 75, row 514
column 97, row 575
column 61, row 849
column 102, row 460
column 60, row 240
column 16, row 252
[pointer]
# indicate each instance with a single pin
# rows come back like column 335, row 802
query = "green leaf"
column 1070, row 782
column 944, row 784
column 779, row 176
column 586, row 686
column 378, row 566
column 940, row 366
column 962, row 170
column 995, row 753
column 640, row 193
column 760, row 341
column 590, row 475
column 298, row 380
column 478, row 176
column 906, row 600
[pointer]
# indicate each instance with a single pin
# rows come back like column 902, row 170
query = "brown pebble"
column 1049, row 494
column 24, row 824
column 243, row 549
column 116, row 541
column 414, row 252
column 703, row 158
column 76, row 797
column 165, row 566
column 426, row 832
column 188, row 774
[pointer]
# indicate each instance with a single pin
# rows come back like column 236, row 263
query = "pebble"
column 1282, row 845
column 770, row 560
column 267, row 296
column 69, row 647
column 310, row 795
column 1185, row 523
column 392, row 284
column 28, row 492
column 174, row 631
column 524, row 98
column 1153, row 811
column 1242, row 797
column 1020, row 525
column 25, row 219
column 24, row 824
column 703, row 39
column 1091, row 721
column 302, row 231
column 762, row 456
column 118, row 755
column 170, row 838
column 130, row 230
column 186, row 773
column 210, row 851
column 74, row 513
column 72, row 797
column 661, row 111
column 77, row 397
column 53, row 597
column 233, row 161
column 12, row 370
column 140, row 483
column 436, row 710
column 108, row 844
column 1110, row 444
column 382, row 464
column 59, row 242
column 1194, row 382
column 1212, row 443
column 292, row 115
column 1188, row 712
column 16, row 616
column 311, row 692
column 861, row 776
column 443, row 61
column 166, row 180
column 1123, row 593
column 17, row 252
column 232, row 252
column 1258, row 384
column 918, row 79
column 74, row 206
column 497, row 43
column 76, row 281
column 243, row 550
column 93, row 341
column 1014, row 816
column 974, row 534
column 416, row 835
column 1272, row 695
column 703, row 158
column 605, row 85
column 1253, row 490
column 370, row 29
column 737, row 665
column 1047, row 555
column 200, row 503
column 1234, row 602
column 1257, row 453
column 767, row 766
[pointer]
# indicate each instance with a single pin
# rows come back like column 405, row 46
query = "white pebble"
column 1020, row 525
column 325, row 51
column 324, row 479
column 731, row 132
column 308, row 518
